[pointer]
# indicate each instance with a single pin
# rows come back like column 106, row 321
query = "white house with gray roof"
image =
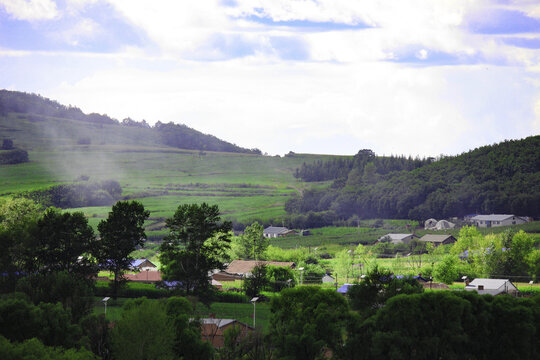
column 397, row 238
column 494, row 220
column 277, row 231
column 492, row 286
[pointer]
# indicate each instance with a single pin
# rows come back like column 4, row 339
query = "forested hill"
column 501, row 178
column 19, row 106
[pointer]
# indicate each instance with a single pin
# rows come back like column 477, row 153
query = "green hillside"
column 246, row 186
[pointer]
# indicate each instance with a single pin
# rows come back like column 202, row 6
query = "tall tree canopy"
column 121, row 233
column 197, row 243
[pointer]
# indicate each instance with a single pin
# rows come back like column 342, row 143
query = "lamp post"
column 104, row 301
column 253, row 301
column 301, row 275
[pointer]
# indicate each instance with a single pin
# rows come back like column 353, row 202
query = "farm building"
column 145, row 276
column 327, row 279
column 432, row 224
column 438, row 239
column 397, row 238
column 277, row 231
column 142, row 264
column 495, row 220
column 238, row 269
column 213, row 330
column 492, row 286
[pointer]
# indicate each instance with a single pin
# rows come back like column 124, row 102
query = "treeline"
column 174, row 135
column 9, row 154
column 100, row 193
column 501, row 178
column 341, row 167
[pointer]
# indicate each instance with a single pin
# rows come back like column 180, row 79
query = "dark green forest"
column 500, row 178
column 37, row 108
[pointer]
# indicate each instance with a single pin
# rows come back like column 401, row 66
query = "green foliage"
column 252, row 244
column 50, row 323
column 143, row 333
column 447, row 270
column 77, row 195
column 65, row 243
column 96, row 334
column 254, row 284
column 460, row 326
column 187, row 343
column 74, row 292
column 377, row 287
column 501, row 178
column 34, row 349
column 15, row 156
column 197, row 243
column 306, row 321
column 121, row 233
column 280, row 277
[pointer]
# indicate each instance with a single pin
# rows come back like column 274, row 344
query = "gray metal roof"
column 275, row 230
column 492, row 217
column 395, row 236
column 435, row 238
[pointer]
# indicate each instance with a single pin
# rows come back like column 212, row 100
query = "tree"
column 377, row 287
column 143, row 333
column 187, row 342
column 121, row 233
column 197, row 243
column 253, row 244
column 447, row 270
column 258, row 280
column 306, row 321
column 65, row 243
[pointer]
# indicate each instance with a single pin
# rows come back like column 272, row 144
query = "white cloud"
column 31, row 9
column 313, row 107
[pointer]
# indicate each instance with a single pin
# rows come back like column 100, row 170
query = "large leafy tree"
column 65, row 243
column 121, row 233
column 253, row 244
column 197, row 243
column 306, row 321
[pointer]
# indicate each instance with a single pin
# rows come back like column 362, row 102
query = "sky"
column 407, row 77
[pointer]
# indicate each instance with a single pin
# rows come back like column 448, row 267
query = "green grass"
column 241, row 312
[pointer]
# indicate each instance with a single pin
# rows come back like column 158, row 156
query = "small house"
column 238, row 269
column 398, row 238
column 492, row 286
column 142, row 264
column 494, row 220
column 213, row 330
column 277, row 231
column 327, row 279
column 438, row 239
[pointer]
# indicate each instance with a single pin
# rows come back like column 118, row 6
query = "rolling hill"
column 81, row 151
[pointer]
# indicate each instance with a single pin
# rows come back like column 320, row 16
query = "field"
column 246, row 187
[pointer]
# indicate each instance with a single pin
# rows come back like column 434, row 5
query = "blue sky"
column 414, row 77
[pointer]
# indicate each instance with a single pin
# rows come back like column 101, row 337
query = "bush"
column 16, row 156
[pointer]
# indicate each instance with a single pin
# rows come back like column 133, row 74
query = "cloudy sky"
column 419, row 77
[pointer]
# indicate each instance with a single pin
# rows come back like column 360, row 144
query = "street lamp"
column 253, row 301
column 104, row 301
column 301, row 275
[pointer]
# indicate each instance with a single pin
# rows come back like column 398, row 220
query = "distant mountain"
column 56, row 124
column 500, row 178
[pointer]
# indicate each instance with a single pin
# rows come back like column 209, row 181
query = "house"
column 495, row 220
column 238, row 269
column 213, row 330
column 492, row 286
column 277, row 231
column 438, row 239
column 327, row 279
column 145, row 276
column 398, row 238
column 142, row 264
